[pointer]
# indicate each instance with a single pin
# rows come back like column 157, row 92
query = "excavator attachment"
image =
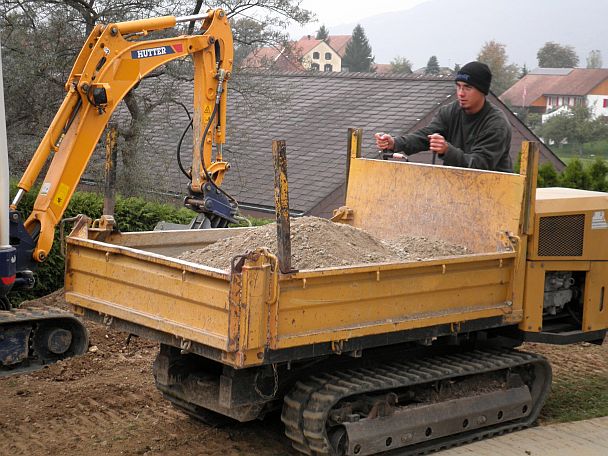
column 113, row 60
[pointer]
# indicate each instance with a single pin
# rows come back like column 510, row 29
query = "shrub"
column 592, row 176
column 547, row 176
column 132, row 214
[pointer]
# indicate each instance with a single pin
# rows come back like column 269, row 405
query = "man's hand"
column 384, row 141
column 438, row 144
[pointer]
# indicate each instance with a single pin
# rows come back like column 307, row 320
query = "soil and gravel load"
column 320, row 243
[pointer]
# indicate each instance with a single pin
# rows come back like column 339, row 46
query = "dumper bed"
column 253, row 314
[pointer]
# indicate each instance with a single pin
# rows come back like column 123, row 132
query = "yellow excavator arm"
column 113, row 60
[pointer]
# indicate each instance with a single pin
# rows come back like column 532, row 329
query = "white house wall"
column 596, row 104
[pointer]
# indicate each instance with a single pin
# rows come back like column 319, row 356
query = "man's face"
column 470, row 98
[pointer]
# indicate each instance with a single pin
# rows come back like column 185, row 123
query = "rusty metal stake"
column 109, row 200
column 281, row 202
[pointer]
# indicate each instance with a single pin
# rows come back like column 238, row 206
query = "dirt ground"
column 105, row 402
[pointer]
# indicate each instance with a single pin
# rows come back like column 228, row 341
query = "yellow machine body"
column 323, row 343
column 571, row 235
column 246, row 313
column 113, row 60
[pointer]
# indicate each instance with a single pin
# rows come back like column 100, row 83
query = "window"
column 605, row 102
column 328, row 56
column 315, row 55
column 314, row 67
column 328, row 67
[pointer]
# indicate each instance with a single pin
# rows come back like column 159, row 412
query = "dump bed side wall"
column 150, row 290
column 248, row 313
column 387, row 299
column 463, row 206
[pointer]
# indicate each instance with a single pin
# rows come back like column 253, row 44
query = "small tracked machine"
column 388, row 358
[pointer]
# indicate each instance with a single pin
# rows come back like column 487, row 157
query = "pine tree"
column 432, row 66
column 358, row 55
column 322, row 33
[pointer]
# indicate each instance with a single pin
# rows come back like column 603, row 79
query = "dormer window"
column 315, row 55
column 328, row 56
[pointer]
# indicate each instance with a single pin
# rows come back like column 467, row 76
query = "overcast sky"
column 337, row 12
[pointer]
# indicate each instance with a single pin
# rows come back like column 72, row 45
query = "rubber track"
column 33, row 316
column 307, row 406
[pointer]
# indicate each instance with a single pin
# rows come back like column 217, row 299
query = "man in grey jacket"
column 470, row 132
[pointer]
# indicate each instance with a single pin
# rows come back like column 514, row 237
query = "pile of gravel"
column 319, row 243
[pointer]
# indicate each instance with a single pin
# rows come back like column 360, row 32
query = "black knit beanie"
column 476, row 74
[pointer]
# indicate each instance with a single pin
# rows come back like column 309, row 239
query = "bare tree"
column 42, row 38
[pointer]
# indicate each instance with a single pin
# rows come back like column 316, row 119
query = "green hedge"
column 131, row 214
column 589, row 176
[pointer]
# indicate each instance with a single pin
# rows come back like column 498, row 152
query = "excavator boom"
column 113, row 60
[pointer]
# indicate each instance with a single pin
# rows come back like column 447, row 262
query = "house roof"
column 576, row 82
column 270, row 57
column 306, row 44
column 338, row 43
column 312, row 113
column 383, row 68
column 261, row 55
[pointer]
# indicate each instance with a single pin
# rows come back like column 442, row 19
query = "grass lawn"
column 590, row 152
column 573, row 400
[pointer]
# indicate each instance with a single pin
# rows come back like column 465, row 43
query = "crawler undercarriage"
column 411, row 406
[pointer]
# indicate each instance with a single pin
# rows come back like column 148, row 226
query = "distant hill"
column 456, row 31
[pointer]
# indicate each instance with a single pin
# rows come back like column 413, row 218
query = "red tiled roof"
column 383, row 68
column 269, row 57
column 306, row 44
column 257, row 56
column 338, row 43
column 578, row 82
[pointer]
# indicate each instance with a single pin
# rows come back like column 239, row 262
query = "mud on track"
column 105, row 402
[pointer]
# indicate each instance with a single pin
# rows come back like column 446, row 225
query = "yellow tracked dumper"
column 387, row 358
